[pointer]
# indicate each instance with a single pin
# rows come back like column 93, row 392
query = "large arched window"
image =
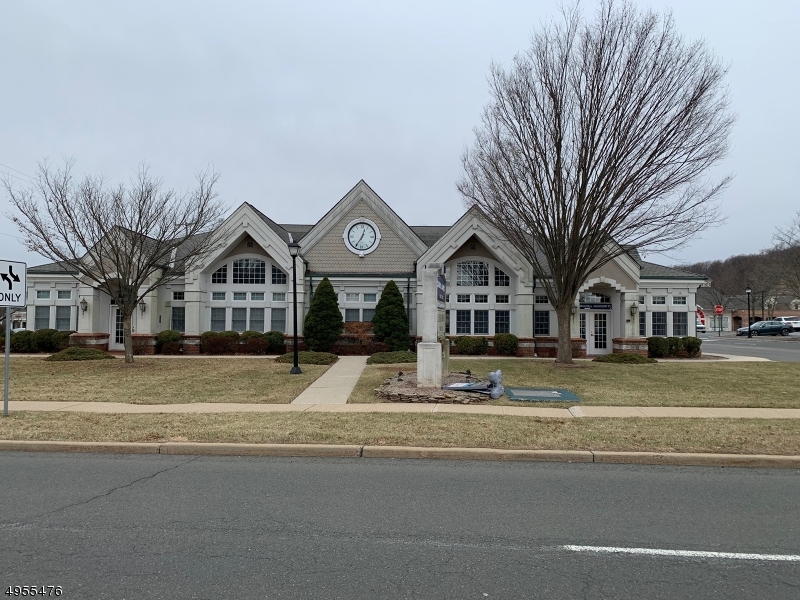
column 249, row 270
column 472, row 273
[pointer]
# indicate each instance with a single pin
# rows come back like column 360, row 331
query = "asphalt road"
column 785, row 349
column 105, row 526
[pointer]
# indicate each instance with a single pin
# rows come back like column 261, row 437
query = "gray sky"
column 294, row 102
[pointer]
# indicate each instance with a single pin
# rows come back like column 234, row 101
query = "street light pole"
column 748, row 291
column 294, row 250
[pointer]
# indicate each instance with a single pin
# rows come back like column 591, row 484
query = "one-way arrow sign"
column 12, row 283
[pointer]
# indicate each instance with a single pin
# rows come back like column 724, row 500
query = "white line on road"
column 684, row 553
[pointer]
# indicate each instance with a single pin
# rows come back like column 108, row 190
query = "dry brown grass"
column 160, row 380
column 739, row 436
column 712, row 383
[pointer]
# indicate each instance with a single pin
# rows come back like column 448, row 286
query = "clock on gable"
column 361, row 236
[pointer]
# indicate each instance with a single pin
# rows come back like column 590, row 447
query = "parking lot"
column 778, row 348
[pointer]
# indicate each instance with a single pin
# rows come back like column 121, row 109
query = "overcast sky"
column 294, row 102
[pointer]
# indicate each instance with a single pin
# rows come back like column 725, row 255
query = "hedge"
column 506, row 344
column 472, row 345
column 671, row 347
column 76, row 353
column 309, row 358
column 628, row 358
column 391, row 358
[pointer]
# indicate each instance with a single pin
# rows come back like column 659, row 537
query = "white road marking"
column 684, row 553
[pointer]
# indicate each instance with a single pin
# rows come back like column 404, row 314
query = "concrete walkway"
column 335, row 404
column 336, row 383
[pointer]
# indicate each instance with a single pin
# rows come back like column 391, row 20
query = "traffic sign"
column 718, row 309
column 13, row 284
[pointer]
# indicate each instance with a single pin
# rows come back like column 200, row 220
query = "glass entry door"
column 597, row 327
column 116, row 338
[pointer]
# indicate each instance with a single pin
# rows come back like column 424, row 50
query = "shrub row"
column 505, row 344
column 76, row 353
column 41, row 340
column 392, row 358
column 249, row 342
column 629, row 358
column 669, row 347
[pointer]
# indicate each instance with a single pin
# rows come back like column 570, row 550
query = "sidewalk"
column 336, row 383
column 574, row 412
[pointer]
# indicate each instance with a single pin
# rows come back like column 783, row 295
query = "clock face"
column 361, row 236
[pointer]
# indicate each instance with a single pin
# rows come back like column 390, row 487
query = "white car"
column 793, row 321
column 699, row 327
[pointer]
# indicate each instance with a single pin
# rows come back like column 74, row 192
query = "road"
column 786, row 349
column 218, row 527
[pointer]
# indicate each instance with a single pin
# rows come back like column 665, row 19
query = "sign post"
column 718, row 310
column 13, row 288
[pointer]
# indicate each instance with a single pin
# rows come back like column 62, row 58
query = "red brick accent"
column 631, row 345
column 98, row 341
column 144, row 343
column 547, row 347
column 191, row 344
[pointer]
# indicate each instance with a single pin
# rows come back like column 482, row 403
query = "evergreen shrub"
column 692, row 345
column 43, row 339
column 657, row 347
column 323, row 323
column 169, row 336
column 628, row 358
column 390, row 322
column 61, row 339
column 674, row 346
column 309, row 358
column 472, row 345
column 276, row 342
column 392, row 358
column 506, row 344
column 23, row 342
column 76, row 353
column 204, row 337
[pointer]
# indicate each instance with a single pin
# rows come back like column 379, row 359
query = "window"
column 592, row 298
column 472, row 273
column 583, row 326
column 642, row 324
column 278, row 322
column 501, row 298
column 502, row 321
column 463, row 297
column 542, row 300
column 256, row 320
column 217, row 319
column 177, row 295
column 500, row 278
column 249, row 270
column 64, row 294
column 447, row 321
column 278, row 276
column 240, row 296
column 351, row 297
column 659, row 323
column 481, row 298
column 178, row 319
column 659, row 299
column 220, row 275
column 679, row 300
column 352, row 314
column 63, row 317
column 42, row 317
column 370, row 297
column 680, row 324
column 279, row 296
column 256, row 296
column 218, row 295
column 641, row 299
column 43, row 294
column 463, row 322
column 481, row 322
column 541, row 322
column 368, row 314
column 239, row 319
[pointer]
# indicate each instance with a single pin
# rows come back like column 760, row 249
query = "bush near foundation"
column 627, row 358
column 23, row 342
column 506, row 344
column 309, row 358
column 220, row 342
column 692, row 345
column 323, row 323
column 43, row 340
column 169, row 336
column 392, row 358
column 472, row 345
column 76, row 353
column 657, row 347
column 253, row 342
column 276, row 342
column 391, row 320
column 61, row 339
column 673, row 347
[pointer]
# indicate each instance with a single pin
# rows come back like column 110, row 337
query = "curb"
column 409, row 452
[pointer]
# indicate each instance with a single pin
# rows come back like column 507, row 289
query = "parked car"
column 793, row 321
column 766, row 328
column 699, row 327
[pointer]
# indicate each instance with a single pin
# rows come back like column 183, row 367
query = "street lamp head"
column 748, row 291
column 294, row 248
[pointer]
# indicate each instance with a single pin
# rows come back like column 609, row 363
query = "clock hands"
column 363, row 231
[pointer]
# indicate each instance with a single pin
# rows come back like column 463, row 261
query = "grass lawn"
column 738, row 436
column 710, row 383
column 160, row 380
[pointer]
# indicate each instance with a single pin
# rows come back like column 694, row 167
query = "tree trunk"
column 564, row 316
column 127, row 331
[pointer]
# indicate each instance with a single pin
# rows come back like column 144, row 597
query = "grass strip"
column 737, row 436
column 709, row 384
column 160, row 380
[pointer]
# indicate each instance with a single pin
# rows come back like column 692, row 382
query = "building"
column 361, row 244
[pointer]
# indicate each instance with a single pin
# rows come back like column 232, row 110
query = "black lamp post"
column 294, row 250
column 748, row 291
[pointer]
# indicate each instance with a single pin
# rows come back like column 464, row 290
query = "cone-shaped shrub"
column 324, row 322
column 390, row 322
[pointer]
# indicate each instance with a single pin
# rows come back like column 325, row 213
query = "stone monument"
column 431, row 361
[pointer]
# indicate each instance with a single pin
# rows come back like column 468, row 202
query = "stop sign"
column 718, row 309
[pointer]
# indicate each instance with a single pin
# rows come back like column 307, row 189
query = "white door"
column 598, row 333
column 116, row 338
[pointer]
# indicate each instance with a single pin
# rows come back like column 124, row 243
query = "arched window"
column 593, row 298
column 472, row 273
column 220, row 275
column 249, row 270
column 500, row 278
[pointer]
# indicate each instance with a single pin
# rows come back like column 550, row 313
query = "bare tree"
column 599, row 137
column 125, row 240
column 788, row 243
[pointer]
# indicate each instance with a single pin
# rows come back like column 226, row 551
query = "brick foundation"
column 191, row 344
column 144, row 344
column 630, row 345
column 547, row 347
column 98, row 341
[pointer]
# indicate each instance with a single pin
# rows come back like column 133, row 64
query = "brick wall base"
column 144, row 344
column 547, row 347
column 98, row 341
column 191, row 344
column 630, row 345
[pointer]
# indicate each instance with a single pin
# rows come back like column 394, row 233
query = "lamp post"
column 294, row 250
column 748, row 291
